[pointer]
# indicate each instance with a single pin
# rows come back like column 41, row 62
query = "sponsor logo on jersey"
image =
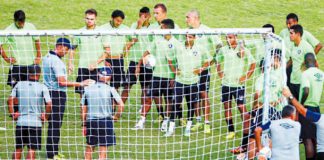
column 286, row 125
column 319, row 77
column 170, row 45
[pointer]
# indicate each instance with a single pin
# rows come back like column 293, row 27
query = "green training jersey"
column 90, row 49
column 137, row 50
column 164, row 50
column 234, row 67
column 313, row 79
column 116, row 43
column 188, row 60
column 297, row 54
column 22, row 47
column 275, row 86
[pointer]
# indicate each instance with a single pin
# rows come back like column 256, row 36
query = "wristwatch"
column 290, row 98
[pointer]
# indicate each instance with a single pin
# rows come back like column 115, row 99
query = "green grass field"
column 150, row 143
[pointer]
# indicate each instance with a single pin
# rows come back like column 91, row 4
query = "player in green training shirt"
column 210, row 43
column 136, row 53
column 311, row 89
column 161, row 48
column 90, row 50
column 292, row 19
column 117, row 48
column 296, row 55
column 235, row 58
column 22, row 49
column 190, row 62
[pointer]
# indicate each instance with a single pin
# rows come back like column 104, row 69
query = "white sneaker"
column 164, row 126
column 139, row 125
column 187, row 133
column 170, row 132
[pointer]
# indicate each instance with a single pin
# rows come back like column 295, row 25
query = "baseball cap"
column 64, row 42
column 105, row 71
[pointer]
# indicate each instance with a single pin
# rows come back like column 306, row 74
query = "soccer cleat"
column 197, row 127
column 139, row 125
column 230, row 135
column 187, row 133
column 207, row 128
column 59, row 157
column 241, row 156
column 182, row 122
column 164, row 126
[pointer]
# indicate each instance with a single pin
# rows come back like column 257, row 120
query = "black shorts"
column 100, row 132
column 204, row 81
column 28, row 136
column 161, row 87
column 190, row 92
column 118, row 74
column 294, row 88
column 238, row 93
column 17, row 73
column 308, row 129
column 320, row 156
column 84, row 74
column 145, row 76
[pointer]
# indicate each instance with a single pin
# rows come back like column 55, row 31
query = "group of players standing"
column 182, row 70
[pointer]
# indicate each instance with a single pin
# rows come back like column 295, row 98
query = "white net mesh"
column 235, row 51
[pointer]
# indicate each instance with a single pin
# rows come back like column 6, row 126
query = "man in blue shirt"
column 97, row 114
column 30, row 116
column 55, row 78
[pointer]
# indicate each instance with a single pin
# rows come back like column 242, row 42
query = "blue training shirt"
column 31, row 96
column 318, row 119
column 98, row 98
column 53, row 67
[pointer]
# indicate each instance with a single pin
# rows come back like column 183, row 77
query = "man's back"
column 313, row 79
column 285, row 139
column 30, row 96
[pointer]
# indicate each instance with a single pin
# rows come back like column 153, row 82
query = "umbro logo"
column 195, row 53
column 318, row 76
column 286, row 125
column 299, row 51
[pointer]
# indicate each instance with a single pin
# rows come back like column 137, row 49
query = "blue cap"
column 64, row 42
column 105, row 71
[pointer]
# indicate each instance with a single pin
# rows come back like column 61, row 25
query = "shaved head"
column 310, row 60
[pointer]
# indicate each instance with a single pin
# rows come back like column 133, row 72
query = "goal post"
column 181, row 91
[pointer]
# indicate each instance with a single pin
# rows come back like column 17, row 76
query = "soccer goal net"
column 188, row 94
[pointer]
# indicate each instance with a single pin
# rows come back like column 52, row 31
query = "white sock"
column 171, row 127
column 189, row 123
column 207, row 122
column 143, row 118
column 198, row 118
